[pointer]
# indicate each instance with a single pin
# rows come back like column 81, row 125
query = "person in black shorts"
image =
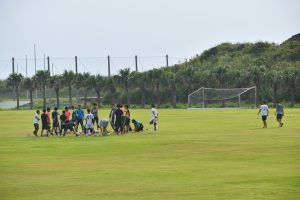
column 94, row 111
column 45, row 123
column 63, row 121
column 55, row 124
column 118, row 122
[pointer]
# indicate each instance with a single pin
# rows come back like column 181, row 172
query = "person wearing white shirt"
column 36, row 122
column 154, row 115
column 264, row 110
column 89, row 122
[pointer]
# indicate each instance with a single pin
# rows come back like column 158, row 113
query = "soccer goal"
column 223, row 98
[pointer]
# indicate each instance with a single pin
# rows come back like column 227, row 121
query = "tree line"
column 273, row 69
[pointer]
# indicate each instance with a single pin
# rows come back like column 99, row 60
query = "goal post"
column 223, row 98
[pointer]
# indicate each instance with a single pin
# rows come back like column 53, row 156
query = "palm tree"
column 98, row 84
column 171, row 82
column 84, row 81
column 42, row 79
column 274, row 77
column 124, row 80
column 290, row 76
column 256, row 75
column 14, row 80
column 56, row 82
column 110, row 86
column 155, row 76
column 29, row 84
column 68, row 80
column 139, row 79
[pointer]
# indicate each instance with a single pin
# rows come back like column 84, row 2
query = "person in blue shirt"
column 79, row 117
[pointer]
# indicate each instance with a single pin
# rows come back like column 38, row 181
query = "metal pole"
column 26, row 73
column 34, row 59
column 48, row 63
column 13, row 64
column 255, row 91
column 35, row 69
column 239, row 105
column 167, row 60
column 108, row 65
column 26, row 65
column 44, row 62
column 203, row 102
column 136, row 63
column 76, row 68
column 52, row 69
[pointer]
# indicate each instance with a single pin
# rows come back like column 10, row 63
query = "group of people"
column 264, row 110
column 70, row 119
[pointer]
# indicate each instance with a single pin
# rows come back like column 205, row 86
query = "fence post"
column 136, row 63
column 13, row 64
column 76, row 69
column 108, row 65
column 48, row 63
column 167, row 60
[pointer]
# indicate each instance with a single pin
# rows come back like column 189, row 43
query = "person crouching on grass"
column 102, row 124
column 36, row 122
column 264, row 109
column 45, row 123
column 89, row 123
column 138, row 126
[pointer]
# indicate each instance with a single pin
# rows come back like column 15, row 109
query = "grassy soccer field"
column 196, row 154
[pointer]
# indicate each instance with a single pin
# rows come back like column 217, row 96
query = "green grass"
column 196, row 154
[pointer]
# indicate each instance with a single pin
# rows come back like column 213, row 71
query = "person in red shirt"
column 68, row 113
column 48, row 119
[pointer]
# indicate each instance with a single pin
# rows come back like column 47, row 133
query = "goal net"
column 223, row 98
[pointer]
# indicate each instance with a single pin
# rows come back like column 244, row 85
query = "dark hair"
column 72, row 106
column 66, row 107
column 48, row 109
column 126, row 106
column 133, row 120
column 118, row 105
column 44, row 110
column 64, row 112
column 55, row 108
column 152, row 105
column 264, row 102
column 88, row 110
column 278, row 101
column 95, row 104
column 37, row 111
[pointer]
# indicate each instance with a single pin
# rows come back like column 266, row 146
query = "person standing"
column 112, row 116
column 264, row 109
column 94, row 111
column 79, row 117
column 118, row 123
column 45, row 123
column 279, row 113
column 36, row 123
column 154, row 116
column 55, row 123
column 89, row 123
column 67, row 113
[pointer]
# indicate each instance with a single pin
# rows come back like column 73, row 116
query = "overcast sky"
column 121, row 28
